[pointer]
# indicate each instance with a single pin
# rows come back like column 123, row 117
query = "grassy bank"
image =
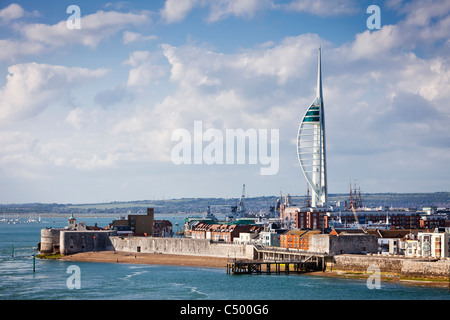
column 49, row 256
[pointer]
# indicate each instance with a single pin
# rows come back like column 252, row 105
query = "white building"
column 429, row 244
column 412, row 248
column 246, row 238
column 270, row 239
column 434, row 244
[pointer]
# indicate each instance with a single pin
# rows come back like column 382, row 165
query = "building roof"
column 162, row 223
column 310, row 233
column 342, row 231
column 389, row 234
column 294, row 232
column 302, row 233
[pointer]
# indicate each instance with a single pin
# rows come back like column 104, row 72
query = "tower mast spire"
column 311, row 148
column 319, row 76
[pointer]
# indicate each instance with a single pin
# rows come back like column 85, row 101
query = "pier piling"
column 236, row 267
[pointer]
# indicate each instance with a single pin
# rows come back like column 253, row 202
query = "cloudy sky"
column 87, row 114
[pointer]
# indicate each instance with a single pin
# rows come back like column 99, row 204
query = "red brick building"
column 297, row 239
column 304, row 219
column 433, row 221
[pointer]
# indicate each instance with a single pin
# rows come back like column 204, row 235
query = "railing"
column 290, row 250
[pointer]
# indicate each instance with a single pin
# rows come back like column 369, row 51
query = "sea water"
column 116, row 281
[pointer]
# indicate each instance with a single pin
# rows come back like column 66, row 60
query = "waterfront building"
column 162, row 228
column 222, row 232
column 345, row 243
column 121, row 226
column 246, row 238
column 434, row 244
column 198, row 230
column 290, row 239
column 271, row 238
column 142, row 224
column 311, row 147
column 412, row 248
column 297, row 239
column 392, row 242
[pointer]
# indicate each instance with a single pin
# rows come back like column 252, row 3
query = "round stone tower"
column 49, row 241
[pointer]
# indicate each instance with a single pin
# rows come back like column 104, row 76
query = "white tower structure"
column 311, row 148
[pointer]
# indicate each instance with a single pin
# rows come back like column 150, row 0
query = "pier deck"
column 236, row 267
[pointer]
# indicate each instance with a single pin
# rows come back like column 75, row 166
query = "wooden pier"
column 236, row 267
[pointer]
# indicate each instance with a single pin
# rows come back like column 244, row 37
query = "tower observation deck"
column 311, row 149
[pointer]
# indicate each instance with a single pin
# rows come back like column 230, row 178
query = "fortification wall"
column 183, row 246
column 408, row 267
column 354, row 244
column 49, row 241
column 83, row 241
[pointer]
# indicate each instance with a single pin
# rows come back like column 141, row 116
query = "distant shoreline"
column 190, row 206
column 84, row 215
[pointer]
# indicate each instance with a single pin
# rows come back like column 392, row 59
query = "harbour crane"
column 356, row 217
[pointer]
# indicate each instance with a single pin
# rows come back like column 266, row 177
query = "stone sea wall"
column 401, row 266
column 182, row 246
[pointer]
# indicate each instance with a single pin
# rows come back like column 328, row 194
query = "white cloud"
column 145, row 68
column 31, row 87
column 285, row 61
column 11, row 12
column 324, row 8
column 12, row 50
column 130, row 37
column 40, row 38
column 425, row 23
column 94, row 28
column 94, row 161
column 375, row 44
column 177, row 10
column 75, row 118
column 222, row 9
column 424, row 13
column 16, row 142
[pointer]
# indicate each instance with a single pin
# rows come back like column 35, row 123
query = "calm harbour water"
column 111, row 281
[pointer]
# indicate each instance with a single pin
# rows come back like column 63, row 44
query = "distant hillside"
column 222, row 205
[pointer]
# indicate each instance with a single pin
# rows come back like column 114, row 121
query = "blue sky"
column 86, row 115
